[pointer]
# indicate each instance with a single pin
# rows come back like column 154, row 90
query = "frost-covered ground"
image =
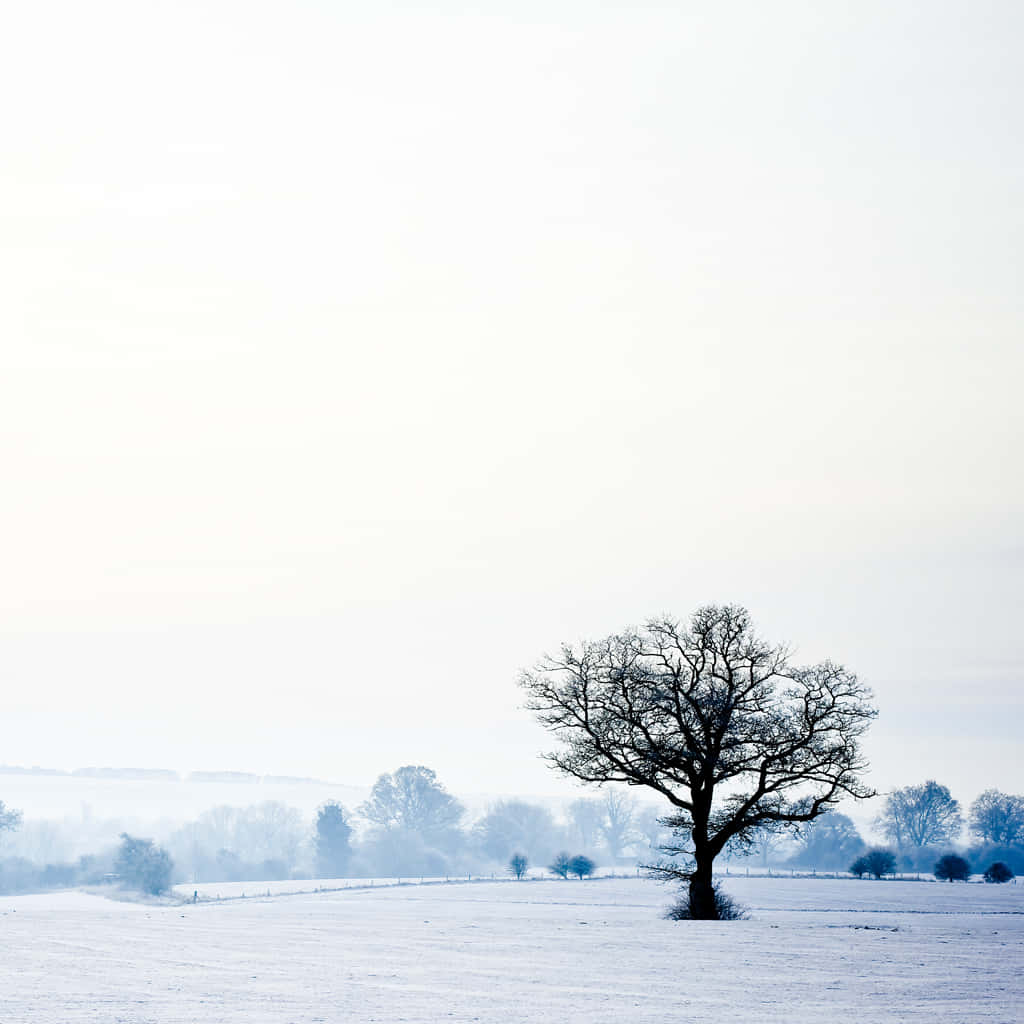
column 552, row 951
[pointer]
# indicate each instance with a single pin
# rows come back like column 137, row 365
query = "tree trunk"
column 702, row 890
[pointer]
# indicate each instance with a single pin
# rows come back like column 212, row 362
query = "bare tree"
column 762, row 846
column 921, row 815
column 877, row 861
column 619, row 809
column 828, row 842
column 511, row 825
column 271, row 832
column 715, row 720
column 411, row 799
column 649, row 823
column 561, row 865
column 998, row 818
column 518, row 864
column 581, row 866
column 584, row 817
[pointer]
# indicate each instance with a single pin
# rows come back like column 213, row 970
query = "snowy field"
column 542, row 951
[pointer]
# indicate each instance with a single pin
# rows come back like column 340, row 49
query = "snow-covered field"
column 542, row 951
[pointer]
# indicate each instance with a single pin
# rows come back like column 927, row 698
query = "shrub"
column 518, row 864
column 952, row 867
column 144, row 866
column 581, row 866
column 725, row 906
column 879, row 861
column 998, row 873
column 561, row 865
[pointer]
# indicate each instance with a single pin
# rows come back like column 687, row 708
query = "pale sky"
column 355, row 355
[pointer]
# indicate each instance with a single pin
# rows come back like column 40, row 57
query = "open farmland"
column 534, row 951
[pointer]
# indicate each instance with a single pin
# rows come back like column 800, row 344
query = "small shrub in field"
column 581, row 866
column 879, row 861
column 998, row 872
column 561, row 865
column 725, row 906
column 952, row 868
column 518, row 864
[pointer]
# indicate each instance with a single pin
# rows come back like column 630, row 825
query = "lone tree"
column 561, row 864
column 411, row 799
column 998, row 873
column 952, row 867
column 714, row 719
column 143, row 865
column 998, row 818
column 333, row 840
column 581, row 866
column 518, row 864
column 923, row 815
column 875, row 862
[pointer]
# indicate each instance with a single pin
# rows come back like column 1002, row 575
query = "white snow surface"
column 536, row 951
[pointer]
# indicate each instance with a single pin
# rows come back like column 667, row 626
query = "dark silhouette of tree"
column 828, row 842
column 998, row 873
column 411, row 799
column 998, row 818
column 859, row 867
column 877, row 861
column 143, row 866
column 952, row 867
column 581, row 866
column 517, row 864
column 560, row 865
column 332, row 840
column 923, row 815
column 715, row 720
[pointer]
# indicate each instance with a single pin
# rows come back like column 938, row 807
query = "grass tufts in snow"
column 728, row 909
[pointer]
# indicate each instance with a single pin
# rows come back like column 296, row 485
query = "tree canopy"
column 412, row 799
column 998, row 817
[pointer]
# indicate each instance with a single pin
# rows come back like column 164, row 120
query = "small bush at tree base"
column 951, row 868
column 728, row 909
column 998, row 873
column 581, row 866
column 518, row 864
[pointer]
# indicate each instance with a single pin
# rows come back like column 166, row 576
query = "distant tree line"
column 411, row 826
